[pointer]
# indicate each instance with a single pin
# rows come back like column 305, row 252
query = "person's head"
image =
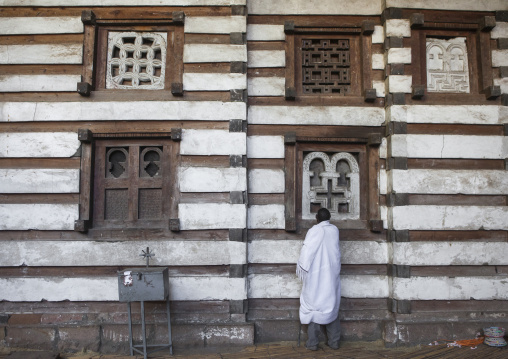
column 323, row 215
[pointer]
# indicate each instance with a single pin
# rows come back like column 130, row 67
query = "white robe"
column 319, row 268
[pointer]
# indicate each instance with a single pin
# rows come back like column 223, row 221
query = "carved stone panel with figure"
column 447, row 65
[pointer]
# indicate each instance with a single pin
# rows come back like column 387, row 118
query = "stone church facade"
column 211, row 131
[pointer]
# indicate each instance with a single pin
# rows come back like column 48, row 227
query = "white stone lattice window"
column 447, row 65
column 331, row 181
column 136, row 60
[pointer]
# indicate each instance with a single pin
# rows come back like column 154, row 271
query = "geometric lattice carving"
column 150, row 162
column 150, row 203
column 117, row 163
column 332, row 182
column 116, row 204
column 326, row 66
column 447, row 65
column 136, row 60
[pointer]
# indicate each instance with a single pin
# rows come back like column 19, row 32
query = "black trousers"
column 332, row 331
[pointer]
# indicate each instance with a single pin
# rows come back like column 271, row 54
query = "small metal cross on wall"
column 147, row 255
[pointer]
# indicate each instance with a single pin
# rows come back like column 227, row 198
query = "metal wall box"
column 144, row 284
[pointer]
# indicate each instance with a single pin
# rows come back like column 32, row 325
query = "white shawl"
column 319, row 268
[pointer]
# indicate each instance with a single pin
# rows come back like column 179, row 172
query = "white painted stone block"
column 45, row 217
column 122, row 253
column 482, row 115
column 265, row 146
column 106, row 289
column 267, row 58
column 41, row 25
column 40, row 83
column 266, row 181
column 450, row 253
column 41, row 54
column 500, row 31
column 503, row 83
column 322, row 7
column 399, row 55
column 211, row 216
column 378, row 61
column 214, row 53
column 365, row 286
column 289, row 286
column 65, row 3
column 457, row 288
column 379, row 86
column 212, row 142
column 257, row 32
column 378, row 36
column 483, row 182
column 499, row 58
column 316, row 115
column 450, row 217
column 399, row 83
column 383, row 182
column 215, row 24
column 274, row 251
column 383, row 213
column 449, row 146
column 398, row 146
column 266, row 86
column 397, row 28
column 203, row 179
column 59, row 289
column 133, row 110
column 288, row 251
column 38, row 144
column 213, row 82
column 270, row 216
column 383, row 150
column 207, row 288
column 472, row 5
column 274, row 286
column 39, row 180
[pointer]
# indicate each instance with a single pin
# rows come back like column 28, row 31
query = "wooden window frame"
column 475, row 28
column 369, row 164
column 87, row 196
column 95, row 49
column 357, row 30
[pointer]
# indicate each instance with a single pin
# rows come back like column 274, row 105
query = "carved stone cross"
column 147, row 255
column 331, row 197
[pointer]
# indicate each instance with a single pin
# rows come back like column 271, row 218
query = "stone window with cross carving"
column 332, row 181
column 132, row 183
column 340, row 174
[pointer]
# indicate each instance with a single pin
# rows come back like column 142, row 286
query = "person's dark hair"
column 323, row 215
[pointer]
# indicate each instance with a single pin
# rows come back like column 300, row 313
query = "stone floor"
column 288, row 350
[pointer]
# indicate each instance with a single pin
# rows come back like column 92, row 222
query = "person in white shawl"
column 319, row 269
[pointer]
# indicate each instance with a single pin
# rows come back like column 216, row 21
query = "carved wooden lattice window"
column 326, row 66
column 132, row 183
column 447, row 65
column 332, row 181
column 136, row 60
column 328, row 59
